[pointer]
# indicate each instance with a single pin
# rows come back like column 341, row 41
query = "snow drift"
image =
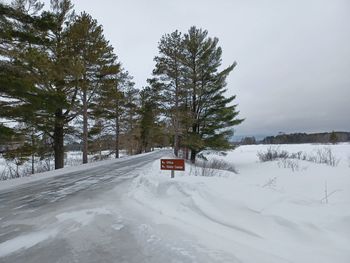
column 266, row 213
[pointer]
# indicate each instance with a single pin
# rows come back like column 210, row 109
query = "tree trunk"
column 176, row 144
column 100, row 150
column 117, row 134
column 193, row 151
column 58, row 140
column 194, row 109
column 85, row 128
column 33, row 155
column 130, row 136
column 33, row 163
column 193, row 156
column 177, row 117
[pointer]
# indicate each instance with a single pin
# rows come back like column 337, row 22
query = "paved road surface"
column 80, row 217
column 43, row 193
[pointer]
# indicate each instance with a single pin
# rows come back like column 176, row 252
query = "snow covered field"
column 265, row 213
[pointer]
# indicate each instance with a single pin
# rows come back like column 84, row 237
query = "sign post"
column 172, row 165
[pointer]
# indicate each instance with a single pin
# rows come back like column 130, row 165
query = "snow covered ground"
column 265, row 213
column 74, row 167
column 128, row 210
column 72, row 158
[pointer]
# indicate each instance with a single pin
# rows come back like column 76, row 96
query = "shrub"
column 326, row 156
column 322, row 156
column 212, row 167
column 271, row 154
column 289, row 163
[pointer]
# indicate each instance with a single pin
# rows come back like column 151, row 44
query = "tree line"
column 61, row 81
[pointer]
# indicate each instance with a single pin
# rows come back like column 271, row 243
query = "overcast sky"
column 293, row 72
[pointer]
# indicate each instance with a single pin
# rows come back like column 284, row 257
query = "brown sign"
column 172, row 164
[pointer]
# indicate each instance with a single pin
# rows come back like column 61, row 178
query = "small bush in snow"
column 45, row 165
column 271, row 154
column 271, row 183
column 322, row 156
column 10, row 171
column 4, row 175
column 221, row 165
column 326, row 156
column 212, row 167
column 289, row 163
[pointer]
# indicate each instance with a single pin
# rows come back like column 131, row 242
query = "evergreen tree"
column 59, row 80
column 6, row 134
column 333, row 138
column 49, row 74
column 150, row 128
column 29, row 47
column 111, row 106
column 97, row 66
column 212, row 114
column 130, row 119
column 170, row 71
column 188, row 67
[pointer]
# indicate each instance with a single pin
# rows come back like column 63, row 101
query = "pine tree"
column 59, row 87
column 212, row 114
column 150, row 128
column 26, row 41
column 188, row 68
column 333, row 138
column 97, row 64
column 130, row 119
column 43, row 68
column 169, row 71
column 111, row 106
column 45, row 97
column 6, row 134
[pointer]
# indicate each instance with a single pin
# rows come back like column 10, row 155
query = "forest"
column 62, row 84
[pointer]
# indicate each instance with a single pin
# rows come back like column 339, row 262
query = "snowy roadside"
column 266, row 213
column 40, row 176
column 95, row 224
column 9, row 170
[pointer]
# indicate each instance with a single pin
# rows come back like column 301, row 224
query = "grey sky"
column 293, row 56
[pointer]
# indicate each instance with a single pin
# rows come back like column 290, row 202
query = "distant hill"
column 325, row 137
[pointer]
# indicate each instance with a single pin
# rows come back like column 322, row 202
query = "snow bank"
column 72, row 158
column 265, row 213
column 40, row 176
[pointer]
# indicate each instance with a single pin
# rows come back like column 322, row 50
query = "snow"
column 25, row 241
column 69, row 169
column 117, row 227
column 71, row 221
column 266, row 213
column 82, row 217
column 263, row 213
column 72, row 158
